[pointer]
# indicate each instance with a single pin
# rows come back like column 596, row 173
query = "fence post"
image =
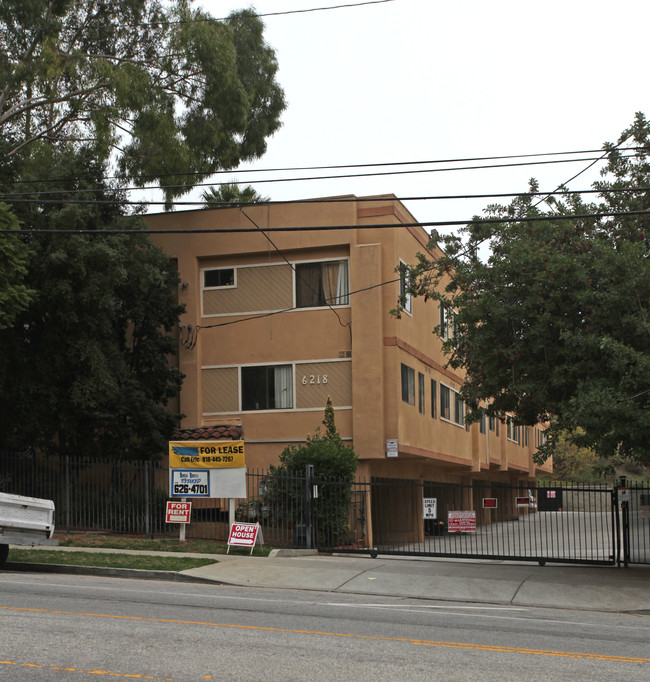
column 617, row 526
column 309, row 479
column 67, row 493
column 147, row 506
column 622, row 499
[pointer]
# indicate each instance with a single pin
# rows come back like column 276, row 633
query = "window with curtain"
column 267, row 387
column 321, row 284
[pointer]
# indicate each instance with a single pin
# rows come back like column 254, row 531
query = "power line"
column 208, row 20
column 323, row 177
column 326, row 228
column 285, row 169
column 325, row 200
column 474, row 245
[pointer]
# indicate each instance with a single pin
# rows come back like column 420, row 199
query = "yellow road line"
column 108, row 673
column 408, row 640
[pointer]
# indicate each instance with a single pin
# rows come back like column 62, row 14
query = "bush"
column 334, row 467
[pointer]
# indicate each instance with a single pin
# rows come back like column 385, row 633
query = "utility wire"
column 473, row 247
column 326, row 200
column 326, row 228
column 340, row 177
column 208, row 20
column 240, row 171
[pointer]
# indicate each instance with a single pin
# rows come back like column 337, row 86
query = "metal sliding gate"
column 634, row 503
column 555, row 523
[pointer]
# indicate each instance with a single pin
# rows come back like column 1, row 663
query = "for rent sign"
column 178, row 512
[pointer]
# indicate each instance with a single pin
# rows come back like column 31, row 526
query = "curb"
column 141, row 574
column 274, row 553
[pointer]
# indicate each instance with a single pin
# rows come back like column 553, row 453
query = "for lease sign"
column 216, row 454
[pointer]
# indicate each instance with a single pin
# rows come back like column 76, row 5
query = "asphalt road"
column 62, row 627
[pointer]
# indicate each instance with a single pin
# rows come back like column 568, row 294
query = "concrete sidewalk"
column 599, row 588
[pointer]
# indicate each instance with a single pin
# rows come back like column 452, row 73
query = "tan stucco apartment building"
column 288, row 318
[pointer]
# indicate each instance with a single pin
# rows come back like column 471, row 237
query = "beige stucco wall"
column 360, row 347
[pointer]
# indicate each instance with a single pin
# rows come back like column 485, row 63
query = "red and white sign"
column 178, row 512
column 490, row 503
column 523, row 501
column 461, row 522
column 243, row 534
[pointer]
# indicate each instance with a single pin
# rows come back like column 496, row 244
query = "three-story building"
column 277, row 321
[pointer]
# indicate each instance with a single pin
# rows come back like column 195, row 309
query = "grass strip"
column 143, row 562
column 148, row 544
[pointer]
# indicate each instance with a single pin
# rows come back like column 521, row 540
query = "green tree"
column 555, row 324
column 85, row 371
column 149, row 92
column 574, row 463
column 14, row 254
column 331, row 457
column 334, row 467
column 230, row 194
column 171, row 92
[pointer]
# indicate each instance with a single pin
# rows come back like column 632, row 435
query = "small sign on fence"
column 243, row 535
column 178, row 512
column 490, row 503
column 461, row 522
column 429, row 507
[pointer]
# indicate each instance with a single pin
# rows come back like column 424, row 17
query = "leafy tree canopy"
column 165, row 90
column 149, row 92
column 574, row 463
column 84, row 369
column 14, row 253
column 555, row 324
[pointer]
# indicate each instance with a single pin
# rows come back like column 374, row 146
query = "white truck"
column 25, row 521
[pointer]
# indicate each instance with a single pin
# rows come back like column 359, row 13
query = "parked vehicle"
column 25, row 521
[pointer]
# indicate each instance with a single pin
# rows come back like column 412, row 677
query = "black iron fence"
column 551, row 522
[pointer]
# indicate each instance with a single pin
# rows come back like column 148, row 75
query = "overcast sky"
column 421, row 80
